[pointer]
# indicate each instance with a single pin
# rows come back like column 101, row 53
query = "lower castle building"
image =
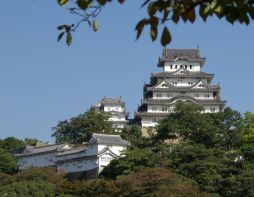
column 181, row 79
column 88, row 159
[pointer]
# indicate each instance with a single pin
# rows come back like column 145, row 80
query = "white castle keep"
column 180, row 80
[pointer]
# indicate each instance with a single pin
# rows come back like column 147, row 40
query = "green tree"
column 134, row 135
column 28, row 189
column 135, row 160
column 11, row 143
column 248, row 136
column 31, row 141
column 7, row 162
column 161, row 13
column 79, row 128
column 156, row 182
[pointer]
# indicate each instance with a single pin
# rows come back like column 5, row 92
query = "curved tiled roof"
column 174, row 54
column 187, row 98
column 191, row 75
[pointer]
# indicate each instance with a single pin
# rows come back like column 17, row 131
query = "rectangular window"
column 196, row 95
column 164, row 109
column 154, row 108
column 169, row 95
column 206, row 95
column 158, row 95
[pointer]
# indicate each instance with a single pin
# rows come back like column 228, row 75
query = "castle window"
column 212, row 109
column 190, row 66
column 185, row 66
column 158, row 95
column 206, row 95
column 190, row 83
column 169, row 95
column 174, row 83
column 201, row 85
column 171, row 66
column 164, row 85
column 175, row 66
column 181, row 66
column 164, row 109
column 196, row 95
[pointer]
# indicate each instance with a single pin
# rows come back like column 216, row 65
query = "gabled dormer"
column 163, row 84
column 201, row 85
column 174, row 59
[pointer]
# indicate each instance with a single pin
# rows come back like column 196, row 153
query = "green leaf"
column 140, row 26
column 151, row 9
column 102, row 2
column 165, row 37
column 95, row 25
column 84, row 4
column 60, row 27
column 60, row 36
column 191, row 15
column 68, row 39
column 62, row 2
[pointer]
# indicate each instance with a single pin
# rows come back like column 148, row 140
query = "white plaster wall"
column 109, row 108
column 116, row 149
column 211, row 109
column 117, row 118
column 159, row 108
column 183, row 82
column 78, row 166
column 104, row 160
column 195, row 66
column 40, row 160
column 196, row 95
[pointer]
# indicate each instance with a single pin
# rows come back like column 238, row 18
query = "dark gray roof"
column 29, row 150
column 107, row 139
column 72, row 151
column 190, row 75
column 188, row 98
column 112, row 101
column 173, row 54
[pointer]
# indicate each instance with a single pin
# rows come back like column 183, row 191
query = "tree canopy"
column 161, row 13
column 79, row 128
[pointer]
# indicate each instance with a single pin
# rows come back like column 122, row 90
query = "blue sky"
column 43, row 81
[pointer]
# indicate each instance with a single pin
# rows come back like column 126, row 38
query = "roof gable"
column 164, row 84
column 201, row 85
column 182, row 71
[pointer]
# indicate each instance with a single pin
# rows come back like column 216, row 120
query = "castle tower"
column 180, row 80
column 116, row 108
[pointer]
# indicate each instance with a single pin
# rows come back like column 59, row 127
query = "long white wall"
column 110, row 108
column 38, row 160
column 191, row 66
column 196, row 95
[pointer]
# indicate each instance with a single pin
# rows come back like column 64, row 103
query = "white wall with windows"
column 174, row 66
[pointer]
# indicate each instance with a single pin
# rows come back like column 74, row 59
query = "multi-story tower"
column 116, row 108
column 180, row 80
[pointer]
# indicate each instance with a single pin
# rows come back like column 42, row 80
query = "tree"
column 79, row 128
column 28, row 189
column 11, row 143
column 135, row 160
column 161, row 12
column 156, row 182
column 7, row 162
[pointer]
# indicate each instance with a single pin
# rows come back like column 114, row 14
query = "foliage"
column 31, row 141
column 11, row 143
column 161, row 13
column 79, row 128
column 134, row 135
column 135, row 160
column 156, row 182
column 248, row 136
column 28, row 189
column 187, row 123
column 7, row 162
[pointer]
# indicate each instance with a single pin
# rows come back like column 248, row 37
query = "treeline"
column 190, row 154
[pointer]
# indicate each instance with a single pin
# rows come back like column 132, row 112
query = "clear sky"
column 43, row 81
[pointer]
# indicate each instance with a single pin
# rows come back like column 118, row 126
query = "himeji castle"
column 116, row 108
column 181, row 79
